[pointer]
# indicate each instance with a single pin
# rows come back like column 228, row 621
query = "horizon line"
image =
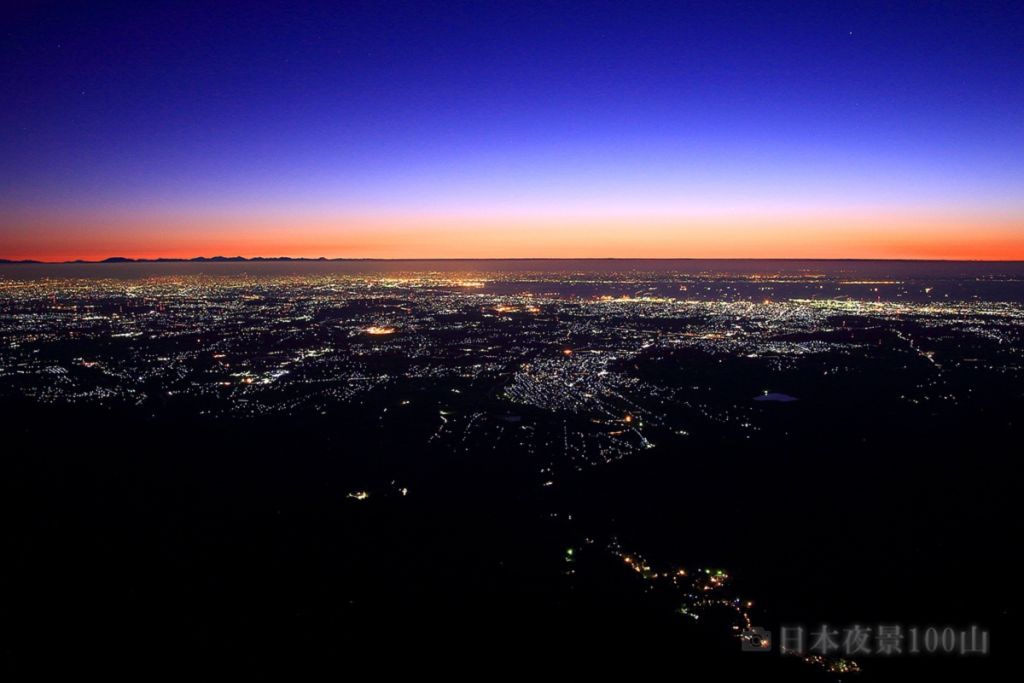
column 115, row 260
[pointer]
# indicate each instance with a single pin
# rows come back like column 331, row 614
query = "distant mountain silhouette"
column 260, row 259
column 194, row 259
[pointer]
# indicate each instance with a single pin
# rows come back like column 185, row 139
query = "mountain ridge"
column 324, row 259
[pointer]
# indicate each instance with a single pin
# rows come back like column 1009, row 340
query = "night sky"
column 515, row 129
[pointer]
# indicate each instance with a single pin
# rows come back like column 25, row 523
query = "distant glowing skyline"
column 492, row 130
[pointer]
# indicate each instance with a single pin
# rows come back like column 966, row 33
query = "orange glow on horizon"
column 861, row 235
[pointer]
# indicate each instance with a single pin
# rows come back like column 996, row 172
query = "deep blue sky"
column 361, row 107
